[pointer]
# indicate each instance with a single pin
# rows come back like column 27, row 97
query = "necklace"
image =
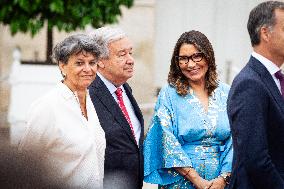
column 77, row 100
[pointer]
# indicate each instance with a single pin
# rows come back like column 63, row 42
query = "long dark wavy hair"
column 176, row 77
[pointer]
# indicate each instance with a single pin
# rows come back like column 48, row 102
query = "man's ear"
column 265, row 33
column 101, row 64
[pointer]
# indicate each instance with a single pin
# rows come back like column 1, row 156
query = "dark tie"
column 118, row 93
column 279, row 75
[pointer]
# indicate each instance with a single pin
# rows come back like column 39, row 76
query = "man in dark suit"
column 118, row 111
column 256, row 104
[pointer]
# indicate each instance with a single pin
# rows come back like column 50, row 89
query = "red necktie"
column 118, row 93
column 280, row 76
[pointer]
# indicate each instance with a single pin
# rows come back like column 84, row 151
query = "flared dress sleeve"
column 227, row 157
column 162, row 150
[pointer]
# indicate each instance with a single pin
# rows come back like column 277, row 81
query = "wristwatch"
column 226, row 177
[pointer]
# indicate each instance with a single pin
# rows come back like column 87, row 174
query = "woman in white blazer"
column 63, row 124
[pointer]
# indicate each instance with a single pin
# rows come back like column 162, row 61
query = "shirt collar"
column 66, row 92
column 270, row 66
column 108, row 84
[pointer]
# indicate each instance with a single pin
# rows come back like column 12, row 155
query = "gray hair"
column 74, row 44
column 104, row 36
column 262, row 15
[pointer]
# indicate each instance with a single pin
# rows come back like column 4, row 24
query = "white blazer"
column 70, row 142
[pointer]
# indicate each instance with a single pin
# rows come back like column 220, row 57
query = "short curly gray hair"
column 74, row 44
column 104, row 36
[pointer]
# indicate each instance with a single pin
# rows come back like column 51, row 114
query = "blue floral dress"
column 182, row 134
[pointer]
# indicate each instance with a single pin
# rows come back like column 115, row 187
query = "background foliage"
column 29, row 16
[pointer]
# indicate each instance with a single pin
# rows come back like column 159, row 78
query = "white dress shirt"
column 72, row 144
column 134, row 120
column 270, row 66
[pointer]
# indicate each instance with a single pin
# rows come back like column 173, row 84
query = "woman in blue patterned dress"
column 189, row 144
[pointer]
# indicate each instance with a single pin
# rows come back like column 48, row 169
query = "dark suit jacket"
column 256, row 115
column 123, row 158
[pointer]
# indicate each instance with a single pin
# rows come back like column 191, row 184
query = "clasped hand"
column 201, row 183
column 217, row 183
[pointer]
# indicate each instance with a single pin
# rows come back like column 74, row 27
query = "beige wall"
column 138, row 22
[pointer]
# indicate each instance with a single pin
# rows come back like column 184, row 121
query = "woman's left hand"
column 218, row 183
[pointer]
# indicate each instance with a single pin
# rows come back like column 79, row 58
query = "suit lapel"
column 267, row 80
column 102, row 93
column 137, row 110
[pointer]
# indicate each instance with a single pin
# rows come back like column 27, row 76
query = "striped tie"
column 279, row 75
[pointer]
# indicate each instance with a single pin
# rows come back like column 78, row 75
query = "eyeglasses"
column 196, row 57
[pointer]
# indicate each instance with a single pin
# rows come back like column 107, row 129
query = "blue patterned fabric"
column 182, row 134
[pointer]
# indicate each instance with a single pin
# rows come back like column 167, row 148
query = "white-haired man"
column 118, row 111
